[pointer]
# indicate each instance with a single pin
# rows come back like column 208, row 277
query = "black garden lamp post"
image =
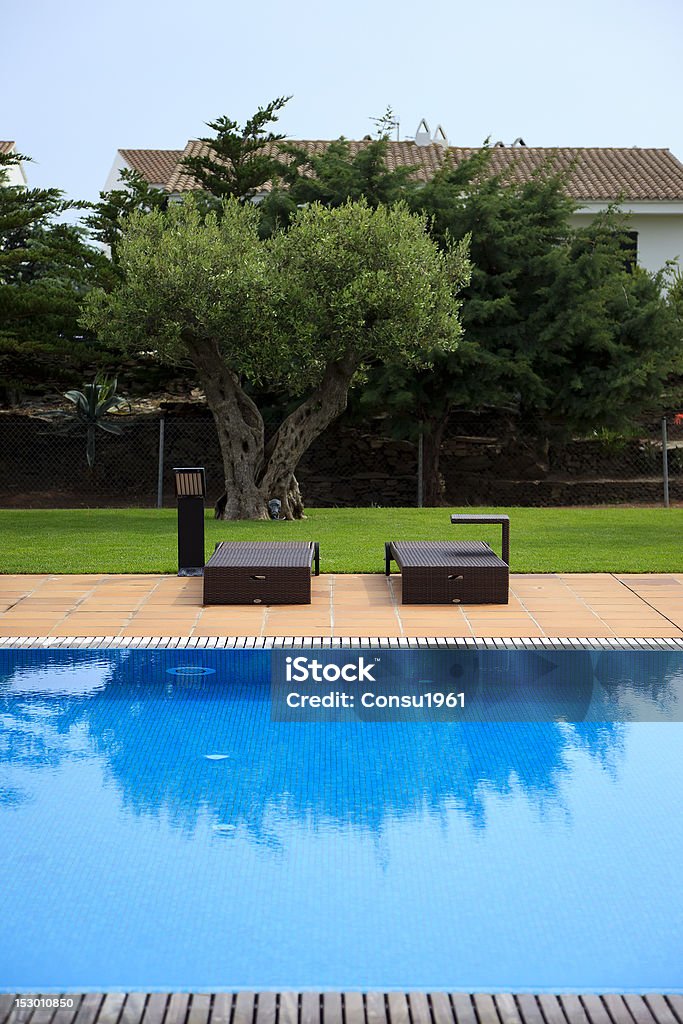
column 190, row 490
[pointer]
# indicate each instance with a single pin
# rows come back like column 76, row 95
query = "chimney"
column 439, row 137
column 422, row 135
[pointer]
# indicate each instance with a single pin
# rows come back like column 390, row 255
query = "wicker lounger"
column 453, row 572
column 261, row 572
column 449, row 572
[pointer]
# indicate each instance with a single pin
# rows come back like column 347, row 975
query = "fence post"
column 420, row 476
column 160, row 470
column 665, row 462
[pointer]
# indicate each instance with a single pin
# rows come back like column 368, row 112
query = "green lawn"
column 351, row 540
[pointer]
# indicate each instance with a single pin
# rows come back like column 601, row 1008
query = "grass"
column 351, row 540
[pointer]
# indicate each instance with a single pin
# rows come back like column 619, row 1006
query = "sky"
column 82, row 79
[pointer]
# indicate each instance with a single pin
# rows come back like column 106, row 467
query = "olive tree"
column 306, row 310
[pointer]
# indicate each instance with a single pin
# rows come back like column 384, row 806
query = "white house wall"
column 119, row 165
column 14, row 176
column 660, row 236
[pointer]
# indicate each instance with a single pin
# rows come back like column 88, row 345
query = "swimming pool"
column 159, row 830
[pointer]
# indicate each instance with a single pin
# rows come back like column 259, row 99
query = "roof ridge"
column 507, row 148
column 596, row 173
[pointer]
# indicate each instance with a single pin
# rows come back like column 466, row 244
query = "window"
column 628, row 241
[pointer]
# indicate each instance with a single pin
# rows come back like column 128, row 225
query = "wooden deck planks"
column 660, row 1009
column 65, row 1015
column 200, row 1008
column 288, row 1008
column 134, row 1008
column 354, row 1008
column 310, row 1008
column 176, row 1011
column 442, row 1011
column 596, row 1010
column 111, row 1008
column 242, row 1009
column 419, row 1008
column 573, row 1009
column 638, row 1009
column 399, row 1012
column 89, row 1008
column 617, row 1009
column 42, row 1016
column 332, row 1008
column 507, row 1008
column 6, row 1007
column 529, row 1009
column 676, row 1004
column 552, row 1009
column 350, row 1008
column 485, row 1009
column 155, row 1009
column 375, row 1008
column 266, row 1007
column 463, row 1008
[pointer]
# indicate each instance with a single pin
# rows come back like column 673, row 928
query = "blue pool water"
column 158, row 830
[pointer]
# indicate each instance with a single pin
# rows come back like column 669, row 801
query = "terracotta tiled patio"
column 561, row 605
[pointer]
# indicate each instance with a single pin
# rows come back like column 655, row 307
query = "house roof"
column 425, row 160
column 7, row 147
column 155, row 165
column 593, row 174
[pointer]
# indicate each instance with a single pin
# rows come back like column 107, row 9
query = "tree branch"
column 297, row 432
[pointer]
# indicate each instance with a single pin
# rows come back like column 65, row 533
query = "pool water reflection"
column 159, row 831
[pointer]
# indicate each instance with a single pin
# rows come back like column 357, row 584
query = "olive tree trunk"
column 433, row 487
column 256, row 472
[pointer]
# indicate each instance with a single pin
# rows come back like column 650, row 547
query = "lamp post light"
column 190, row 491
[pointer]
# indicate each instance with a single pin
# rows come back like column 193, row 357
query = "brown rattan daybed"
column 261, row 572
column 453, row 572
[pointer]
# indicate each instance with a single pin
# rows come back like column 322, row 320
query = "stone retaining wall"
column 42, row 467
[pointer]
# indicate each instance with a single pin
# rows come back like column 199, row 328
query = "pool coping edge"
column 305, row 642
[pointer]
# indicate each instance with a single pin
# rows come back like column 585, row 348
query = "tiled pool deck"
column 541, row 605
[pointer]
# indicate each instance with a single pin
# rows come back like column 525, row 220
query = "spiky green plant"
column 92, row 405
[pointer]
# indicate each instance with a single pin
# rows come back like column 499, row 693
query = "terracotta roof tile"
column 424, row 159
column 156, row 165
column 594, row 174
column 180, row 180
column 7, row 147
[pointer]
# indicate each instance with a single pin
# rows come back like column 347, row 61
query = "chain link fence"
column 44, row 466
column 481, row 463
